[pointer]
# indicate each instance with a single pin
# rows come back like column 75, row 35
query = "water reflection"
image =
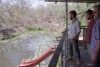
column 32, row 44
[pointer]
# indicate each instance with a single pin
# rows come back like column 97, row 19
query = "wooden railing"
column 59, row 50
column 84, row 28
column 54, row 59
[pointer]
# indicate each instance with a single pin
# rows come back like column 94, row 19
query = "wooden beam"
column 88, row 1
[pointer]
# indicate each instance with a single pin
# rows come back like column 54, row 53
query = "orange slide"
column 38, row 60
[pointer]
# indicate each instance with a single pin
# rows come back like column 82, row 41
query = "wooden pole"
column 65, row 44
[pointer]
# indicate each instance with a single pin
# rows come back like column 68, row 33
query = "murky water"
column 27, row 45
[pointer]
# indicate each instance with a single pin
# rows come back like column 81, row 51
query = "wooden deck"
column 85, row 59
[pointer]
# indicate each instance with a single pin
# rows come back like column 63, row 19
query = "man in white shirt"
column 73, row 35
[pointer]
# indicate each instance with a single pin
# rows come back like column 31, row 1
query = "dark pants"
column 97, row 64
column 76, row 46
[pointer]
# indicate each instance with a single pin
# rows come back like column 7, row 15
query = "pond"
column 25, row 46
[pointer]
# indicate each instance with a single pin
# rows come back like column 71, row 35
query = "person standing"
column 90, row 25
column 73, row 35
column 95, row 41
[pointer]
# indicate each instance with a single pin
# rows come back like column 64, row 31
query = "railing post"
column 39, row 65
column 65, row 44
column 64, row 53
column 62, row 58
column 61, row 48
column 66, row 39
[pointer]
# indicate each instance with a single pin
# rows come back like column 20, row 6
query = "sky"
column 35, row 3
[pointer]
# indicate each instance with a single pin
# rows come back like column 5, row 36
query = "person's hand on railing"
column 64, row 32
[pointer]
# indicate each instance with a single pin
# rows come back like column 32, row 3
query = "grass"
column 59, row 62
column 34, row 29
column 30, row 29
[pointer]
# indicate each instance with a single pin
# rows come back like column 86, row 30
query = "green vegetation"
column 59, row 62
column 34, row 29
column 81, row 9
column 19, row 15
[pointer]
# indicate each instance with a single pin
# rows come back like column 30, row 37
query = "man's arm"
column 65, row 30
column 97, row 47
column 98, row 40
column 94, row 56
column 76, row 36
column 78, row 30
